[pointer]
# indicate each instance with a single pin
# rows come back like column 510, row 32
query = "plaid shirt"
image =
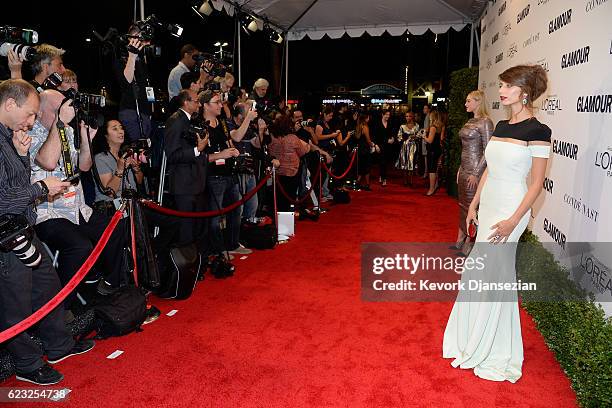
column 72, row 202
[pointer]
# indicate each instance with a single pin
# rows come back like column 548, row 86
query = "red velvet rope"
column 347, row 170
column 70, row 286
column 205, row 214
column 301, row 200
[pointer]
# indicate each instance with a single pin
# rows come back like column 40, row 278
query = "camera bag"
column 179, row 270
column 120, row 313
column 341, row 196
column 258, row 237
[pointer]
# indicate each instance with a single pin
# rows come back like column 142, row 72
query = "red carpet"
column 290, row 330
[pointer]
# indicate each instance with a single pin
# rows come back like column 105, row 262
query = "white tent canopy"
column 315, row 18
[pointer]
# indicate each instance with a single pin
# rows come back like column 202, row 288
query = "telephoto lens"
column 27, row 253
column 25, row 52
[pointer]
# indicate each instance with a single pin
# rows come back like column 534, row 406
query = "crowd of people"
column 65, row 171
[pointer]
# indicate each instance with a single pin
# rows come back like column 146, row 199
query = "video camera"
column 242, row 164
column 89, row 105
column 11, row 38
column 147, row 29
column 218, row 69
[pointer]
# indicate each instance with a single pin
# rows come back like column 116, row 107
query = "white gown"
column 483, row 331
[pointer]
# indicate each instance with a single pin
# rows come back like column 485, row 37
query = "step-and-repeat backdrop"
column 572, row 40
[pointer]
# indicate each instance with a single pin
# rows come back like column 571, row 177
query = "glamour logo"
column 533, row 38
column 495, row 38
column 540, row 2
column 507, row 28
column 555, row 233
column 502, row 8
column 598, row 272
column 551, row 104
column 565, row 149
column 581, row 207
column 499, row 57
column 560, row 22
column 523, row 14
column 603, row 160
column 594, row 104
column 483, row 85
column 577, row 57
column 512, row 50
column 591, row 4
column 489, row 63
column 495, row 105
column 548, row 185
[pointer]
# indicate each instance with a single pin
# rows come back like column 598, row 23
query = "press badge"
column 219, row 162
column 150, row 94
column 70, row 197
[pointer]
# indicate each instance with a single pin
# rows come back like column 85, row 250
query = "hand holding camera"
column 67, row 113
column 55, row 185
column 14, row 62
column 135, row 46
column 202, row 142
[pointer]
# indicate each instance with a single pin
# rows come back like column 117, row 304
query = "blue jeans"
column 248, row 183
column 223, row 191
column 129, row 120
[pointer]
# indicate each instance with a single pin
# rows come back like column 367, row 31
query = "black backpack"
column 120, row 313
column 179, row 270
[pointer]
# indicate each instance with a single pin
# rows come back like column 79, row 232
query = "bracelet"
column 118, row 174
column 45, row 188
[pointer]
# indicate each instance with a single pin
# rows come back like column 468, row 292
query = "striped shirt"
column 17, row 195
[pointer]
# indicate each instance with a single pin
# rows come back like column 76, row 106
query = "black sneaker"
column 80, row 347
column 45, row 375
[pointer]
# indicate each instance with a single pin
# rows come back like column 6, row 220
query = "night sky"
column 353, row 62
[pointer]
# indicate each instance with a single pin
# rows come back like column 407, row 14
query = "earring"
column 524, row 99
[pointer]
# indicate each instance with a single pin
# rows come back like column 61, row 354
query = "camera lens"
column 28, row 254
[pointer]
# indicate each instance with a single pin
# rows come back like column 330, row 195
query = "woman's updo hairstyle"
column 532, row 80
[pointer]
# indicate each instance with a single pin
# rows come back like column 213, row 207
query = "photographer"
column 324, row 136
column 25, row 289
column 65, row 223
column 189, row 80
column 242, row 132
column 222, row 184
column 133, row 78
column 288, row 149
column 186, row 64
column 69, row 80
column 187, row 165
column 48, row 61
column 310, row 162
column 117, row 170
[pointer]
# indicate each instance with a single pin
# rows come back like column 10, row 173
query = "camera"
column 242, row 164
column 218, row 69
column 8, row 33
column 24, row 52
column 197, row 126
column 140, row 148
column 16, row 235
column 308, row 123
column 147, row 28
column 53, row 81
column 221, row 268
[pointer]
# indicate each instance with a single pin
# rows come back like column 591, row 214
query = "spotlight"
column 206, row 8
column 272, row 34
column 249, row 22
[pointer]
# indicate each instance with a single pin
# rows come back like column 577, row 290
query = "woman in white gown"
column 484, row 330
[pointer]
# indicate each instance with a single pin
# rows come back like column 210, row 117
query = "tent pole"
column 286, row 69
column 239, row 52
column 477, row 44
column 142, row 10
column 471, row 44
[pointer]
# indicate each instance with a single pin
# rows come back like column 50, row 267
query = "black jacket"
column 186, row 172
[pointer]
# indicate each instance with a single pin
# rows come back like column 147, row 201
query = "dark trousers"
column 75, row 243
column 223, row 191
column 129, row 120
column 24, row 290
column 290, row 185
column 191, row 229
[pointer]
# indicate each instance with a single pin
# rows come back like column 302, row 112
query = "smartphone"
column 254, row 105
column 472, row 229
column 74, row 179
